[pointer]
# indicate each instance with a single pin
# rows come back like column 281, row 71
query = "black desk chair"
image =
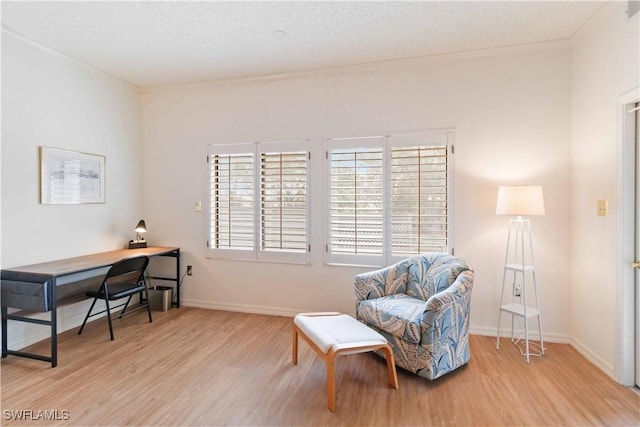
column 124, row 279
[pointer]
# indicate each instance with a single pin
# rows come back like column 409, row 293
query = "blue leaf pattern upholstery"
column 386, row 281
column 421, row 305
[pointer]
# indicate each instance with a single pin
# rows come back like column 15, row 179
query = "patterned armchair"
column 421, row 306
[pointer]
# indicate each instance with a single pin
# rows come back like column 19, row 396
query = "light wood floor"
column 204, row 367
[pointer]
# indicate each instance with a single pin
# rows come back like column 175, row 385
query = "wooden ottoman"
column 332, row 334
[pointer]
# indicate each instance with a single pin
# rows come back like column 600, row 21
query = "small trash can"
column 160, row 298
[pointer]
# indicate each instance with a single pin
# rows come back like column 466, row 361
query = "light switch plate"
column 198, row 207
column 603, row 208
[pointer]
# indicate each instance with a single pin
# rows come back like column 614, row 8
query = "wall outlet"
column 189, row 270
column 517, row 290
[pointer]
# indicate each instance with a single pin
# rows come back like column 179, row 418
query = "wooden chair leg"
column 331, row 383
column 391, row 366
column 294, row 347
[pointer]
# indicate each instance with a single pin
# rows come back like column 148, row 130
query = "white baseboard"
column 588, row 354
column 506, row 333
column 584, row 351
column 242, row 308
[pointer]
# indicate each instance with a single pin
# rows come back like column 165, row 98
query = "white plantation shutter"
column 283, row 201
column 419, row 188
column 419, row 200
column 356, row 200
column 388, row 197
column 232, row 201
column 260, row 208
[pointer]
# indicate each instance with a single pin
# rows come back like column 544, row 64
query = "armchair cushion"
column 398, row 314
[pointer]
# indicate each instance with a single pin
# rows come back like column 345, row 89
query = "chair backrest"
column 431, row 273
column 128, row 270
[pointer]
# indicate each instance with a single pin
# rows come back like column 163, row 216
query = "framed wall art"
column 70, row 177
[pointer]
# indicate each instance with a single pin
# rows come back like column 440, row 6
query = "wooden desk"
column 47, row 274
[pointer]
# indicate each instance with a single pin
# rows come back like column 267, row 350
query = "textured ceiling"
column 161, row 43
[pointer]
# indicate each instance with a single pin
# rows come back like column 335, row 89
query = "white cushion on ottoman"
column 329, row 331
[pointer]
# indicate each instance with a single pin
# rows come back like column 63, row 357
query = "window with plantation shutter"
column 388, row 197
column 259, row 208
column 419, row 200
column 356, row 219
column 283, row 201
column 232, row 201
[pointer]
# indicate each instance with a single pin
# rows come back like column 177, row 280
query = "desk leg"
column 54, row 323
column 4, row 331
column 173, row 254
column 178, row 279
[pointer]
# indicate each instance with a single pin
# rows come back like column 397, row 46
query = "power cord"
column 175, row 297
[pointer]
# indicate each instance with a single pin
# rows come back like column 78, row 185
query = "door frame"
column 625, row 251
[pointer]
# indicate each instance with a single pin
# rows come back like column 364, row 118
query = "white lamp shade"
column 521, row 200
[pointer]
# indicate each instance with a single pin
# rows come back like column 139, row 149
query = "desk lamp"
column 139, row 242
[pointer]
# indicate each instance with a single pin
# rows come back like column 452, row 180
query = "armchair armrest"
column 438, row 321
column 458, row 289
column 385, row 281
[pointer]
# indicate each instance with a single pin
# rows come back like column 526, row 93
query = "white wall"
column 49, row 100
column 511, row 112
column 604, row 66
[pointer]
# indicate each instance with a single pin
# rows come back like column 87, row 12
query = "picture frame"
column 71, row 177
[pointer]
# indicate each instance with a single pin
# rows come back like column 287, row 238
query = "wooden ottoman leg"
column 320, row 337
column 294, row 347
column 331, row 381
column 391, row 366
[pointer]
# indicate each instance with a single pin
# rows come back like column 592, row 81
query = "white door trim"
column 625, row 251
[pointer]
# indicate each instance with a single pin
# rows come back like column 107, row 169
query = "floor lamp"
column 519, row 201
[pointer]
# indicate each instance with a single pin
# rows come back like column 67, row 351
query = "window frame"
column 256, row 149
